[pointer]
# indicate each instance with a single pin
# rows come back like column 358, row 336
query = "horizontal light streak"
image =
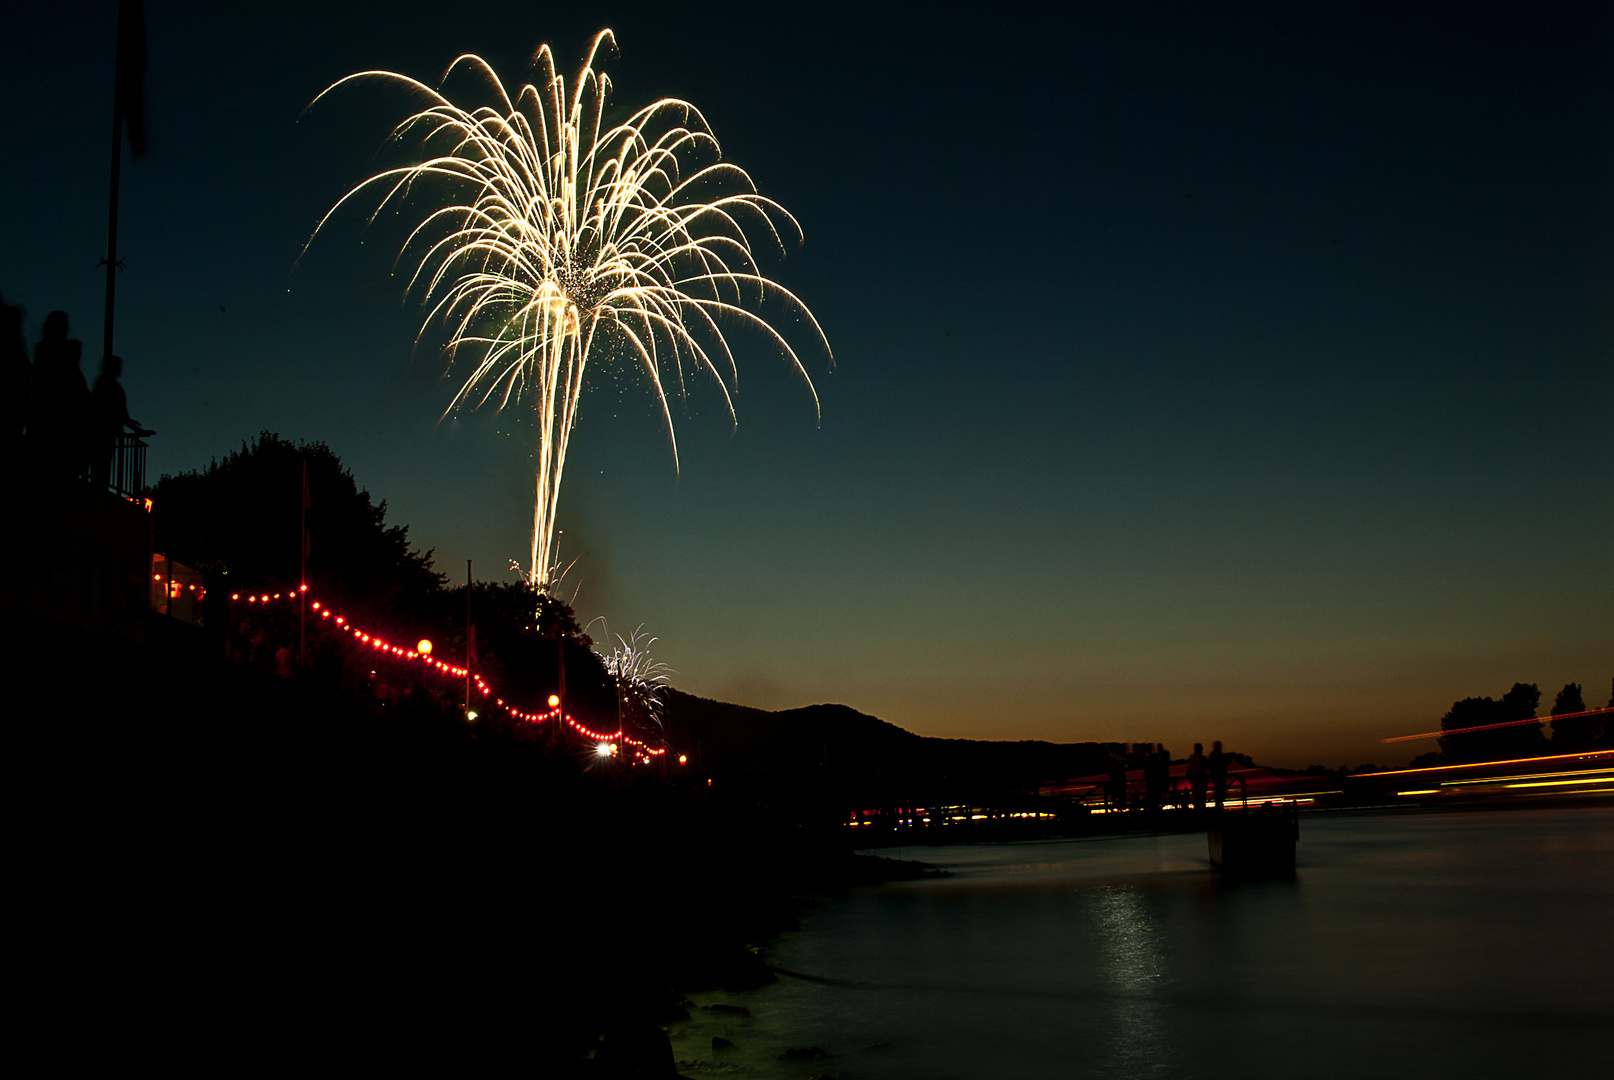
column 1526, row 776
column 1487, row 764
column 1577, row 793
column 1537, row 784
column 1494, row 727
column 1560, row 783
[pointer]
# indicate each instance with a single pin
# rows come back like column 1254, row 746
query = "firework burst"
column 547, row 237
column 639, row 678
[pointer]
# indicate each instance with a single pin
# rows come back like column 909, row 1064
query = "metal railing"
column 127, row 475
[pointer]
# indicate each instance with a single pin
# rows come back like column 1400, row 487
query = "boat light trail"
column 1584, row 755
column 1496, row 727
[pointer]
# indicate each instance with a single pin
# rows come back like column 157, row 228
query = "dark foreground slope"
column 219, row 867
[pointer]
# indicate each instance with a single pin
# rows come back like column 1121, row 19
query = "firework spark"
column 640, row 679
column 547, row 237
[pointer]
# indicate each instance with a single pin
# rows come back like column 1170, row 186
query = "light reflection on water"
column 1434, row 945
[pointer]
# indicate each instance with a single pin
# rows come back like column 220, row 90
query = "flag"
column 470, row 646
column 307, row 502
column 130, row 91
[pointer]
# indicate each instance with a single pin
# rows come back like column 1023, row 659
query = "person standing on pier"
column 61, row 402
column 1116, row 789
column 1156, row 774
column 109, row 411
column 1198, row 773
column 1217, row 766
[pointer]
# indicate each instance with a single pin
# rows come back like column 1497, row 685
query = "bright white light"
column 605, row 749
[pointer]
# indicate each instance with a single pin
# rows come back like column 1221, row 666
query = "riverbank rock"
column 734, row 969
column 631, row 1052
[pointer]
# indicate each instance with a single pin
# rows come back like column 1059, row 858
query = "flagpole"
column 111, row 259
column 119, row 77
column 302, row 573
column 128, row 110
column 470, row 642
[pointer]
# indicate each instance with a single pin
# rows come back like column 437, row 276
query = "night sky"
column 1201, row 371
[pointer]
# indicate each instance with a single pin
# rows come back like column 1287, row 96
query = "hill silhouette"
column 833, row 753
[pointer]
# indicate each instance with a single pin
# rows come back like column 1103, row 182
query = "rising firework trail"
column 547, row 236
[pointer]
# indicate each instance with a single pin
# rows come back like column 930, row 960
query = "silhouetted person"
column 1116, row 788
column 1216, row 765
column 1198, row 774
column 260, row 656
column 238, row 646
column 109, row 419
column 1168, row 787
column 1155, row 778
column 56, row 426
column 17, row 372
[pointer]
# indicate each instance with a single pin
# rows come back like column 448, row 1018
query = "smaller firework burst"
column 640, row 681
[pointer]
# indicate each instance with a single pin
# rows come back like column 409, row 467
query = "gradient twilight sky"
column 1202, row 370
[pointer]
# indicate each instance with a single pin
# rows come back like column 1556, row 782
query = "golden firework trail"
column 549, row 236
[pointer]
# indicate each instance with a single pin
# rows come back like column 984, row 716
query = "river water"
column 1409, row 945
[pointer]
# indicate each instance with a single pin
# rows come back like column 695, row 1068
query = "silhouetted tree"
column 1572, row 733
column 521, row 638
column 1519, row 740
column 1522, row 701
column 241, row 518
column 1569, row 699
column 1579, row 731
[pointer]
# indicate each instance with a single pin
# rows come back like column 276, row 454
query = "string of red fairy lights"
column 423, row 656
